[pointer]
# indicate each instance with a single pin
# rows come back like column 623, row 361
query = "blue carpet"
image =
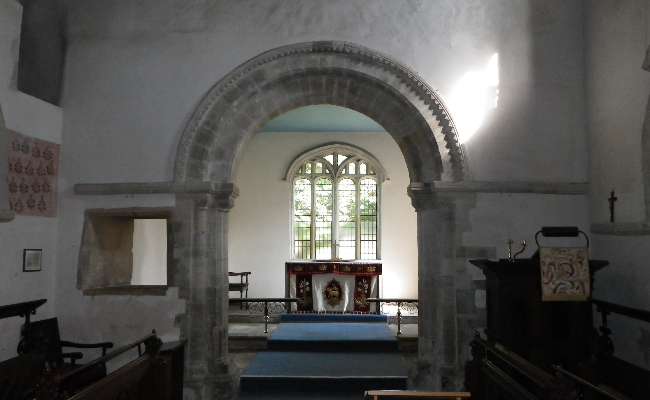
column 333, row 318
column 312, row 336
column 331, row 372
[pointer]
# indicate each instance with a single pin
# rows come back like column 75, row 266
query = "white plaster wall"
column 137, row 69
column 32, row 117
column 260, row 221
column 618, row 34
column 500, row 217
column 149, row 252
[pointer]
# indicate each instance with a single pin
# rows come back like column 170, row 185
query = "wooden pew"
column 19, row 374
column 607, row 371
column 406, row 394
column 137, row 379
column 495, row 372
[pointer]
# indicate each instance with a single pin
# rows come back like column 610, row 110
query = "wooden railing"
column 582, row 384
column 21, row 309
column 605, row 308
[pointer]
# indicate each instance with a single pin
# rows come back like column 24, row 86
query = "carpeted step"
column 333, row 337
column 285, row 395
column 328, row 372
column 340, row 318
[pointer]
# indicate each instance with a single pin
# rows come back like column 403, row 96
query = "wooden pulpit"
column 542, row 332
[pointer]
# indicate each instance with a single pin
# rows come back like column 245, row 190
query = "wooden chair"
column 404, row 394
column 241, row 286
column 44, row 336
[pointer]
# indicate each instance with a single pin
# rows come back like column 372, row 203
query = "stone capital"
column 220, row 197
column 424, row 196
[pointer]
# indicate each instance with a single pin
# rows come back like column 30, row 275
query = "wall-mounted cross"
column 611, row 200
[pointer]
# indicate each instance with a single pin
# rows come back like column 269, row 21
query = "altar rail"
column 282, row 305
column 408, row 305
column 279, row 305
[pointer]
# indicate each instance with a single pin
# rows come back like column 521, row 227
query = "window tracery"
column 336, row 203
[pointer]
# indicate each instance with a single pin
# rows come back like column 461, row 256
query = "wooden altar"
column 542, row 332
column 332, row 286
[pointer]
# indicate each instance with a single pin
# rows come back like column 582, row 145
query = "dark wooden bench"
column 242, row 285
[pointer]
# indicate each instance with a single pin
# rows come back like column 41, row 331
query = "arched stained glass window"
column 336, row 203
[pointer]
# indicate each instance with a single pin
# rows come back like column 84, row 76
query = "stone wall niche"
column 106, row 258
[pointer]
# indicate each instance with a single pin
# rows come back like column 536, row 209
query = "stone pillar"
column 205, row 325
column 437, row 342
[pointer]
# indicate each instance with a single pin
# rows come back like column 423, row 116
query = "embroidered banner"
column 565, row 273
column 33, row 173
column 304, row 293
column 362, row 293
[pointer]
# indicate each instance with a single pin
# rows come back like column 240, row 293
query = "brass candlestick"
column 511, row 258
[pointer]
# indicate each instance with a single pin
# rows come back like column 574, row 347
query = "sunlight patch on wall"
column 473, row 97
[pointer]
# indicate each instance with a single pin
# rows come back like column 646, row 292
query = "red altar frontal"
column 333, row 286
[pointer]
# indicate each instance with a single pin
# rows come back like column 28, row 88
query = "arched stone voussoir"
column 337, row 73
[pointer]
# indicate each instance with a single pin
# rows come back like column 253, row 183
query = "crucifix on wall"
column 611, row 201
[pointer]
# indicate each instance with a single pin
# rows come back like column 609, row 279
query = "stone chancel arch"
column 216, row 136
column 320, row 73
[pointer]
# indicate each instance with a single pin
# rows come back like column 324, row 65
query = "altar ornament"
column 512, row 258
column 333, row 293
column 564, row 271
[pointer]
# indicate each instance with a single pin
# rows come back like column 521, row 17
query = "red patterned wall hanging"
column 33, row 173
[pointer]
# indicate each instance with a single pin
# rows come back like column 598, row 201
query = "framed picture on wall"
column 32, row 260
